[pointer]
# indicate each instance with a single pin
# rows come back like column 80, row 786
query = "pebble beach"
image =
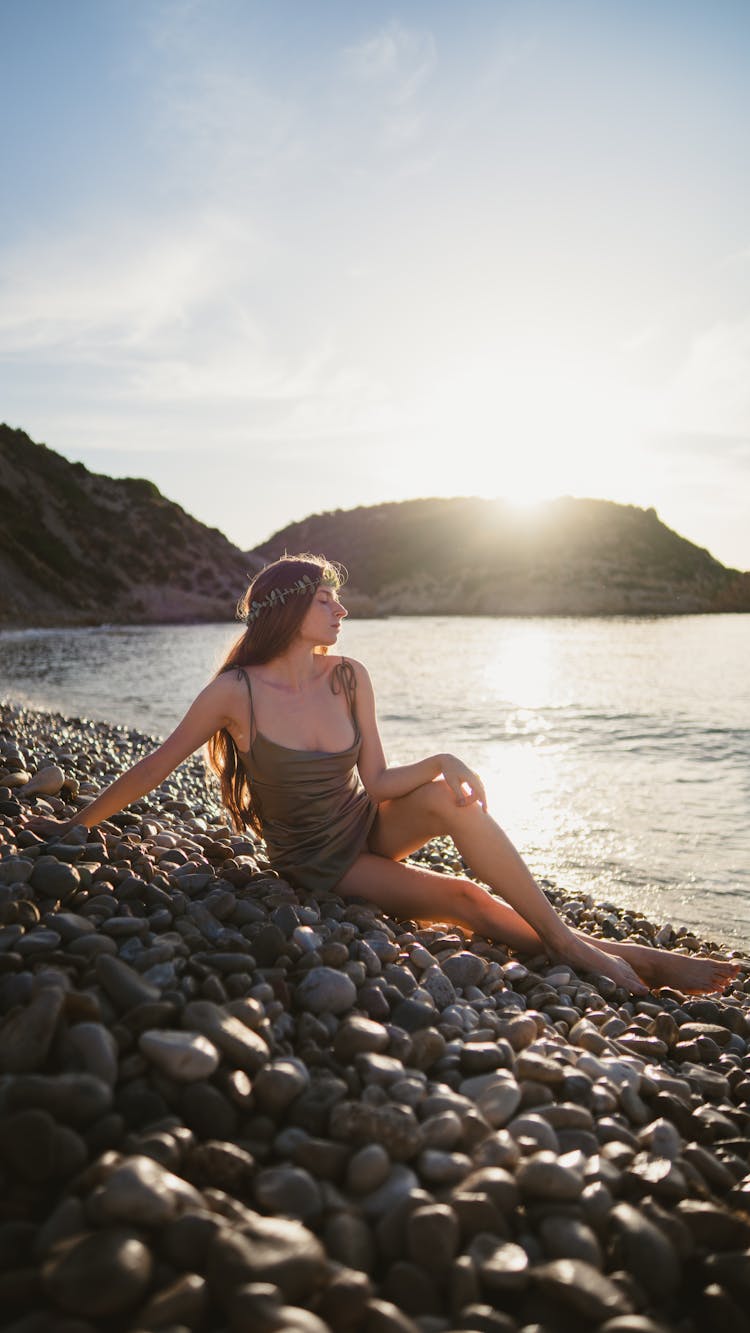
column 229, row 1107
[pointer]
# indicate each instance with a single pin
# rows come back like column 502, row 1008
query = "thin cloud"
column 398, row 59
column 710, row 391
column 133, row 288
column 394, row 66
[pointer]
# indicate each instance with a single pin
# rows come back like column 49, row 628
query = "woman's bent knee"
column 438, row 797
column 440, row 800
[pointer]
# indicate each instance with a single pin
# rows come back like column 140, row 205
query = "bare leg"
column 405, row 824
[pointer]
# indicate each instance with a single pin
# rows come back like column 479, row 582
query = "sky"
column 290, row 257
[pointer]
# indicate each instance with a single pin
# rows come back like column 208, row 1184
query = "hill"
column 486, row 557
column 78, row 548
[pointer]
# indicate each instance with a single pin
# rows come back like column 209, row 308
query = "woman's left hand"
column 465, row 784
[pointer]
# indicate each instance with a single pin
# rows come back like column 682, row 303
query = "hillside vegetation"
column 486, row 557
column 78, row 548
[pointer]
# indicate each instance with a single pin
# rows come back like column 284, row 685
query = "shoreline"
column 355, row 614
column 227, row 1104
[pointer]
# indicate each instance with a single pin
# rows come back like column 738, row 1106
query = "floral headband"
column 278, row 596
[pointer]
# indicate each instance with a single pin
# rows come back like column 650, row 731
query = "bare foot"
column 585, row 957
column 692, row 976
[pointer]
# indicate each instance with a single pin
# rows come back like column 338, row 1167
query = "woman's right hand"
column 465, row 784
column 48, row 827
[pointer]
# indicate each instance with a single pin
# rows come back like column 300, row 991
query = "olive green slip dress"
column 314, row 812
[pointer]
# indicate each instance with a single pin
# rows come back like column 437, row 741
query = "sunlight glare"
column 531, row 428
column 526, row 677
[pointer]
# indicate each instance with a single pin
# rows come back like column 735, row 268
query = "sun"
column 532, row 433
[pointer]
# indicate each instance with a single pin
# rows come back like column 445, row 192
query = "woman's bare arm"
column 384, row 783
column 209, row 712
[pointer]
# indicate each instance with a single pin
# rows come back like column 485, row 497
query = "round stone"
column 481, row 1057
column 278, row 1084
column 183, row 1056
column 579, row 1287
column 643, row 1248
column 182, row 1302
column 413, row 1014
column 438, row 1168
column 54, row 879
column 536, row 1128
column 497, row 1096
column 520, row 1031
column 502, row 1266
column 267, row 1249
column 142, row 1192
column 497, row 1183
column 26, row 1036
column 99, row 1273
column 244, row 1048
column 443, row 1130
column 544, row 1177
column 95, row 1049
column 28, row 1144
column 47, row 782
column 38, row 941
column 15, row 870
column 221, row 1165
column 368, row 1168
column 539, row 1069
column 124, row 986
column 323, row 990
column 568, row 1238
column 427, row 1046
column 288, row 1190
column 349, row 1241
column 439, row 986
column 359, row 1034
column 394, row 1127
column 465, row 969
column 78, row 1099
column 433, row 1237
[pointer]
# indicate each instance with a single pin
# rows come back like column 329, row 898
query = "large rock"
column 125, row 987
column 183, row 1056
column 324, row 990
column 267, row 1249
column 47, row 782
column 244, row 1048
column 99, row 1274
column 54, row 879
column 27, row 1034
column 142, row 1192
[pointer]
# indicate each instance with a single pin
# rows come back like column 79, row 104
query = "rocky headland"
column 469, row 556
column 79, row 548
column 229, row 1107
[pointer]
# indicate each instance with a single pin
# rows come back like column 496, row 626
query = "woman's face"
column 323, row 618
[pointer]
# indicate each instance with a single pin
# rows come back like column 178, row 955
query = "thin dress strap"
column 344, row 674
column 242, row 672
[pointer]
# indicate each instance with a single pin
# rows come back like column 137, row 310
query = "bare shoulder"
column 358, row 668
column 361, row 674
column 227, row 695
column 228, row 691
column 228, row 682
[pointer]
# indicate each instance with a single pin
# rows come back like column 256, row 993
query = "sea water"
column 615, row 751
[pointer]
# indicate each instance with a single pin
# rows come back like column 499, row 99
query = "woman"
column 292, row 734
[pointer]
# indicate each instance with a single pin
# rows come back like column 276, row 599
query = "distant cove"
column 76, row 546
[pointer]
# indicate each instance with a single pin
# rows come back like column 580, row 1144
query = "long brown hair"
column 274, row 606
